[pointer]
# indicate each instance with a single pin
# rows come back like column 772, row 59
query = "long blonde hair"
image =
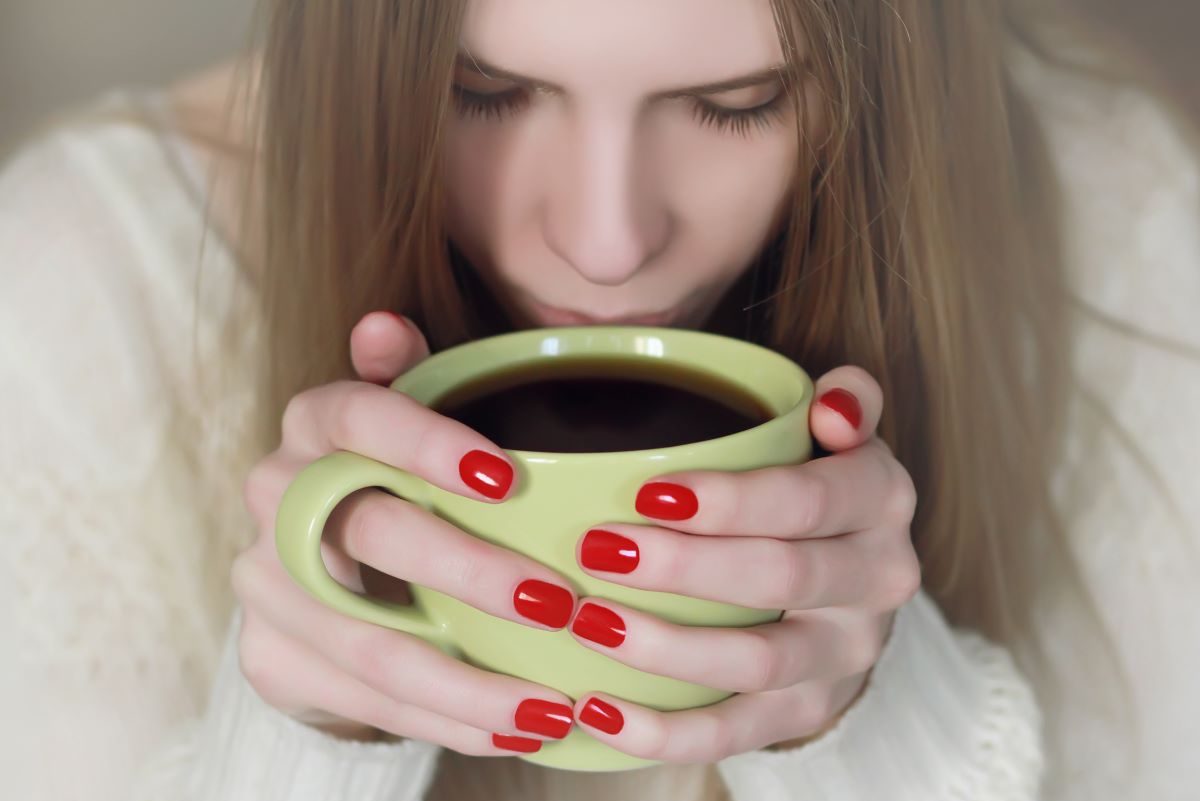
column 925, row 248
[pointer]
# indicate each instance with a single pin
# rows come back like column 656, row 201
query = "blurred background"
column 57, row 52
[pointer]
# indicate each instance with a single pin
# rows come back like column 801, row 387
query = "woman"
column 988, row 256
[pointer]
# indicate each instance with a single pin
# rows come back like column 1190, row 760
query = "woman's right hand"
column 353, row 678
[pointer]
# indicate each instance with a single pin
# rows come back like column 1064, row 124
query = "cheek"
column 474, row 185
column 732, row 191
column 492, row 207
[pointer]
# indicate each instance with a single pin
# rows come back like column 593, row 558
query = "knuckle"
column 717, row 738
column 764, row 664
column 245, row 574
column 374, row 657
column 260, row 492
column 676, row 743
column 425, row 438
column 818, row 708
column 363, row 526
column 814, row 502
column 351, row 411
column 296, row 416
column 787, row 575
column 899, row 580
column 900, row 504
column 671, row 562
column 863, row 649
column 469, row 569
column 654, row 741
column 725, row 497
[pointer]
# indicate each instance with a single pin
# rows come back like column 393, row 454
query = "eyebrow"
column 478, row 66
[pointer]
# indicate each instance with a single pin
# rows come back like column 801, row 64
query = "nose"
column 601, row 216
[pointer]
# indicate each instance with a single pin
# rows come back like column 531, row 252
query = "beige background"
column 57, row 52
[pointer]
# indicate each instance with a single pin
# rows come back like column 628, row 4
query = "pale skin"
column 598, row 198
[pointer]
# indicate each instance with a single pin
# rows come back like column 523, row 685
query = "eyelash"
column 722, row 119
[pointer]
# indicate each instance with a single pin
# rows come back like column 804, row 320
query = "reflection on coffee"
column 590, row 405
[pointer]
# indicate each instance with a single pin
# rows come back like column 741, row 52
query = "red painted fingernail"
column 665, row 501
column 600, row 625
column 604, row 550
column 488, row 475
column 545, row 603
column 525, row 745
column 605, row 717
column 845, row 404
column 544, row 717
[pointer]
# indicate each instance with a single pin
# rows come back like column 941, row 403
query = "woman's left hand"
column 826, row 541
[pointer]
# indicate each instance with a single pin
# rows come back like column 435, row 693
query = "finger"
column 849, row 403
column 312, row 690
column 873, row 569
column 800, row 647
column 384, row 345
column 845, row 492
column 407, row 542
column 392, row 428
column 737, row 725
column 401, row 667
column 262, row 490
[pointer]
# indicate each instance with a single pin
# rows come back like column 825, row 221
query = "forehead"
column 636, row 43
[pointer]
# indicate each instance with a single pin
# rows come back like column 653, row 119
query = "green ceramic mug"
column 558, row 497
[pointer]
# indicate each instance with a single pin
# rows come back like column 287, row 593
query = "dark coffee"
column 589, row 405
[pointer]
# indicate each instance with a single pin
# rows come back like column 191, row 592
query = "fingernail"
column 400, row 318
column 604, row 550
column 545, row 718
column 600, row 625
column 544, row 603
column 844, row 403
column 525, row 745
column 665, row 501
column 488, row 475
column 605, row 717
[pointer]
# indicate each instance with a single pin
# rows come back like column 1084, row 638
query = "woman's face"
column 606, row 183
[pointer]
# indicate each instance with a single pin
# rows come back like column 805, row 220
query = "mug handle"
column 300, row 523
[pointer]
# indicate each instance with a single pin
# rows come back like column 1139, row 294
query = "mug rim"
column 783, row 420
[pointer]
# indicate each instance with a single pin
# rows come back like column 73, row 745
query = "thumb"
column 384, row 346
column 846, row 410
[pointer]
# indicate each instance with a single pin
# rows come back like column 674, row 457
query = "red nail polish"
column 544, row 603
column 665, row 501
column 605, row 717
column 524, row 745
column 488, row 475
column 604, row 550
column 600, row 625
column 545, row 718
column 845, row 404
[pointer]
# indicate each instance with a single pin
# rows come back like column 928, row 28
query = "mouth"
column 553, row 317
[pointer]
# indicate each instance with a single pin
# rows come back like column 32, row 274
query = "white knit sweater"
column 117, row 666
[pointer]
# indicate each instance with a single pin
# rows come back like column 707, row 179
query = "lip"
column 554, row 317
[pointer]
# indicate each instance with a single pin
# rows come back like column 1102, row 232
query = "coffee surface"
column 590, row 405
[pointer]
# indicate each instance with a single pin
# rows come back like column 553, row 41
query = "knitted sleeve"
column 119, row 676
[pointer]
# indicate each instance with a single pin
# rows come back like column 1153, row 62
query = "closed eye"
column 499, row 105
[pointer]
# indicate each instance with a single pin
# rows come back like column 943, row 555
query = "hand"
column 827, row 541
column 356, row 679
